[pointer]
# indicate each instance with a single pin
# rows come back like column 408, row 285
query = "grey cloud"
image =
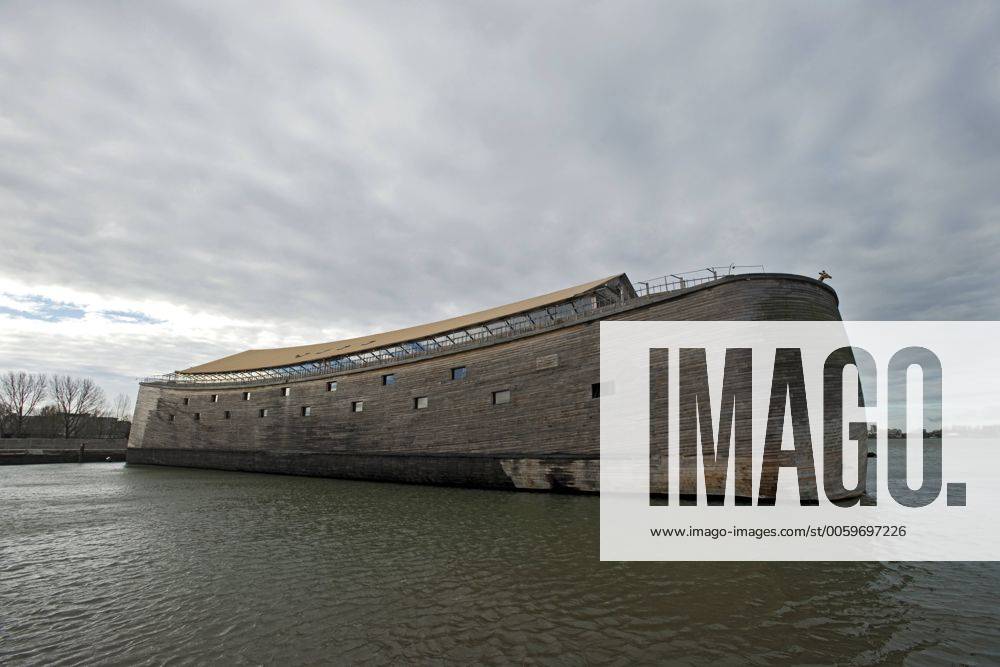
column 375, row 165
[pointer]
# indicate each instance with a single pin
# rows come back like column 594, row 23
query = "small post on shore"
column 83, row 447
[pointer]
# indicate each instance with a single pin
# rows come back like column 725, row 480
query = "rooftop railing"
column 675, row 281
column 537, row 320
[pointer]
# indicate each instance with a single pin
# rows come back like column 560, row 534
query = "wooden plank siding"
column 545, row 438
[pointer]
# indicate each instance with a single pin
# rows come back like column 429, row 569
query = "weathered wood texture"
column 546, row 437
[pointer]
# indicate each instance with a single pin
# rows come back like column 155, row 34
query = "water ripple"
column 101, row 563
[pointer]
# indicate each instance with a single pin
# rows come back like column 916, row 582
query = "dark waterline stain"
column 107, row 563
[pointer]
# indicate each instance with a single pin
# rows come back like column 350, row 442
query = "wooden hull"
column 545, row 439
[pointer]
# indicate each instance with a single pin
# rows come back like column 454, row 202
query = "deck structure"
column 503, row 398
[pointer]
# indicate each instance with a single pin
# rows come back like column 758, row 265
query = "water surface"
column 115, row 564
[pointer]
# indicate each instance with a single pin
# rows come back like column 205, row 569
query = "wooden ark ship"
column 505, row 398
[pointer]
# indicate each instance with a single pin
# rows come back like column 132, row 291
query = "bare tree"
column 76, row 399
column 122, row 408
column 48, row 422
column 5, row 419
column 20, row 394
column 100, row 423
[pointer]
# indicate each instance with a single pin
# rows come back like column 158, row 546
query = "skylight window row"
column 516, row 323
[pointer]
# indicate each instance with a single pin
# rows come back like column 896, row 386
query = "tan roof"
column 286, row 356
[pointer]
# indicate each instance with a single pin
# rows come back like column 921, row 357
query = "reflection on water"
column 128, row 564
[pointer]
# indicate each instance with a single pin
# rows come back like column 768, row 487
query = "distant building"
column 51, row 424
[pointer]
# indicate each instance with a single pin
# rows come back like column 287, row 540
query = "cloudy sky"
column 184, row 180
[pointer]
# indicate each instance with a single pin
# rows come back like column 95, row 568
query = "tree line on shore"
column 48, row 406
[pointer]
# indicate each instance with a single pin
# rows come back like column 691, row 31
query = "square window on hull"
column 286, row 391
column 501, row 397
column 388, row 380
column 420, row 403
column 307, row 411
column 357, row 406
column 262, row 412
column 459, row 373
column 331, row 386
column 246, row 396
